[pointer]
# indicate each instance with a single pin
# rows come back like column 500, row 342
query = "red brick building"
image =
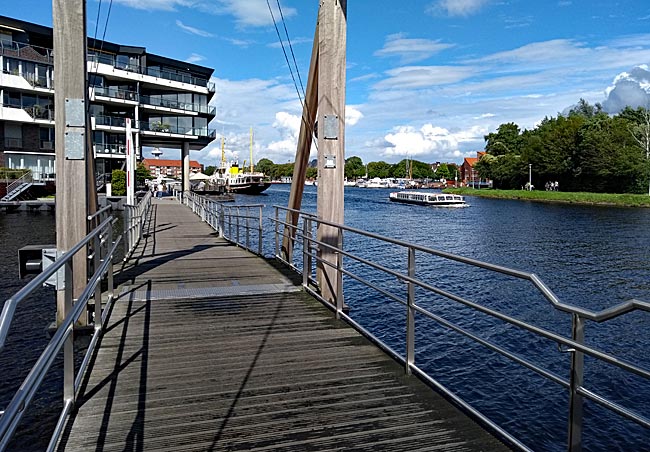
column 169, row 168
column 469, row 176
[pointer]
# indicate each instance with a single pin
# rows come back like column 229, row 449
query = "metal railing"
column 170, row 128
column 310, row 253
column 18, row 186
column 134, row 219
column 115, row 93
column 103, row 250
column 26, row 52
column 158, row 102
column 239, row 224
column 152, row 71
column 113, row 121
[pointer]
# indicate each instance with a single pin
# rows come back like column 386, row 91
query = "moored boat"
column 428, row 199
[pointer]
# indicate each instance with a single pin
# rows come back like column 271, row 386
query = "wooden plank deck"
column 211, row 348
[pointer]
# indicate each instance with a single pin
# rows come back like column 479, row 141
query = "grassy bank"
column 606, row 199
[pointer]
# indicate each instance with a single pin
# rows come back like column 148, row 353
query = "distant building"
column 170, row 168
column 469, row 176
column 166, row 100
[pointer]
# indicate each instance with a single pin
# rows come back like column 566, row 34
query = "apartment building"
column 167, row 100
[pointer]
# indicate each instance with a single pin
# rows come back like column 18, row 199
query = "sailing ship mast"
column 251, row 149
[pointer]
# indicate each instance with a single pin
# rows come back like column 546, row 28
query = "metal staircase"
column 19, row 186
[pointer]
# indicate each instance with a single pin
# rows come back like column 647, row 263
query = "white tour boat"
column 428, row 199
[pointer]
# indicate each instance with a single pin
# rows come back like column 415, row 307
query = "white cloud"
column 628, row 89
column 247, row 13
column 194, row 58
column 457, row 7
column 410, row 50
column 410, row 77
column 193, row 31
column 163, row 5
column 352, row 115
column 431, row 142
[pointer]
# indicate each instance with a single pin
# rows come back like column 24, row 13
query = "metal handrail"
column 134, row 219
column 104, row 250
column 26, row 178
column 229, row 221
column 575, row 345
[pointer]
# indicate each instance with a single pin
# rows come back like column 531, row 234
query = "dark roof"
column 47, row 32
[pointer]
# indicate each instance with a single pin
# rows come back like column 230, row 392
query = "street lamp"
column 530, row 176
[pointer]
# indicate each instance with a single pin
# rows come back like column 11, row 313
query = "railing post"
column 68, row 347
column 306, row 257
column 248, row 230
column 339, row 274
column 98, row 289
column 410, row 313
column 109, row 288
column 126, row 232
column 260, row 232
column 237, row 228
column 576, row 381
column 277, row 237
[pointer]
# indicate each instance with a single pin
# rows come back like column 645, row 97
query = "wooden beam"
column 301, row 163
column 74, row 159
column 331, row 136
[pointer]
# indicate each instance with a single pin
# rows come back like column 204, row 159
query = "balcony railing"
column 13, row 143
column 115, row 93
column 115, row 149
column 47, row 145
column 168, row 128
column 153, row 72
column 26, row 52
column 157, row 102
column 113, row 121
column 39, row 112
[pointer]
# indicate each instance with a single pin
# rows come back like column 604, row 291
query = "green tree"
column 118, row 183
column 264, row 166
column 354, row 168
column 209, row 170
column 442, row 172
column 312, row 173
column 379, row 169
column 506, row 140
column 141, row 173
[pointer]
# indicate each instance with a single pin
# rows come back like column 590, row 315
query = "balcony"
column 157, row 102
column 26, row 52
column 113, row 121
column 172, row 129
column 152, row 72
column 117, row 149
column 40, row 112
column 13, row 143
column 115, row 93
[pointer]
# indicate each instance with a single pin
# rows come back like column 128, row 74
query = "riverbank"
column 604, row 199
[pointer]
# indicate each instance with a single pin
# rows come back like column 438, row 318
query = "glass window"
column 13, row 66
column 95, row 80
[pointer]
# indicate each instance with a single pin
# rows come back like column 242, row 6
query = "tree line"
column 356, row 169
column 584, row 150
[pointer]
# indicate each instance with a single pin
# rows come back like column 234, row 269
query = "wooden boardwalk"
column 211, row 348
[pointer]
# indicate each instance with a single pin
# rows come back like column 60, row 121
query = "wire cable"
column 305, row 107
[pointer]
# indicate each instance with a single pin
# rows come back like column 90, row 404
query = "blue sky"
column 425, row 78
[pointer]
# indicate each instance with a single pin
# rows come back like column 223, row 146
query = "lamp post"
column 530, row 176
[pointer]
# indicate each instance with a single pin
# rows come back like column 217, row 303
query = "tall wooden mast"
column 76, row 194
column 326, row 86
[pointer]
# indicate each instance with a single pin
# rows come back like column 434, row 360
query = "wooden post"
column 332, row 19
column 74, row 159
column 309, row 110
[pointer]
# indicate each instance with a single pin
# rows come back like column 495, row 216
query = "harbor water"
column 593, row 257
